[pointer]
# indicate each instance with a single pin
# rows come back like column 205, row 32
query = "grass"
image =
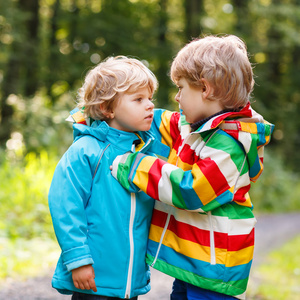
column 27, row 243
column 22, row 258
column 279, row 277
column 24, row 187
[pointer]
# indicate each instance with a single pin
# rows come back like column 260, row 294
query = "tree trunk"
column 163, row 55
column 193, row 9
column 10, row 85
column 20, row 72
column 31, row 47
column 242, row 26
column 53, row 48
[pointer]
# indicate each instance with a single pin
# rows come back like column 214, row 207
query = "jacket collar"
column 103, row 132
column 121, row 139
column 215, row 121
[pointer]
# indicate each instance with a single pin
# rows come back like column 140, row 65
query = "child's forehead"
column 182, row 81
column 139, row 90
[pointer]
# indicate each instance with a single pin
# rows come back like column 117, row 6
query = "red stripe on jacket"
column 216, row 178
column 201, row 236
column 154, row 176
column 239, row 195
column 188, row 155
column 174, row 130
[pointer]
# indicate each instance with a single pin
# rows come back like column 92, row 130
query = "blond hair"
column 223, row 62
column 104, row 83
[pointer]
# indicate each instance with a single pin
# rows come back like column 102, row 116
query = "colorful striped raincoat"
column 202, row 229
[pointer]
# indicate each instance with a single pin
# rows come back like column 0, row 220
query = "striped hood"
column 249, row 129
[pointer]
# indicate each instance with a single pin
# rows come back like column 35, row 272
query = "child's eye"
column 139, row 99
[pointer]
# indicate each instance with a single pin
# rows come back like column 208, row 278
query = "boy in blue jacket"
column 101, row 227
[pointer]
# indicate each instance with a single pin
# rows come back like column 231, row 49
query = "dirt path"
column 272, row 231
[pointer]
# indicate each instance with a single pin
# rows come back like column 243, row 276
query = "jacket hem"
column 67, row 288
column 217, row 285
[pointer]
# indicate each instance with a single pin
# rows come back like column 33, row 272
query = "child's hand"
column 83, row 278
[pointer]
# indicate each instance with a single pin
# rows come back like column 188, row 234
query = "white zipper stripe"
column 211, row 231
column 212, row 241
column 131, row 243
column 163, row 233
column 161, row 239
column 167, row 221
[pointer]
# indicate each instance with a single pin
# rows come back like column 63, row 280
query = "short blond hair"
column 104, row 83
column 223, row 61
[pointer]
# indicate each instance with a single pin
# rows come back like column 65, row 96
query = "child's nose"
column 150, row 105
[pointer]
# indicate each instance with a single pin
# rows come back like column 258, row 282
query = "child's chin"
column 145, row 128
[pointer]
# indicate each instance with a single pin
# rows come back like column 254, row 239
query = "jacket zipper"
column 169, row 213
column 161, row 239
column 167, row 221
column 166, row 224
column 211, row 232
column 212, row 240
column 131, row 243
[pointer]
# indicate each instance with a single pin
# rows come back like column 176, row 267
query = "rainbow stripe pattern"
column 202, row 229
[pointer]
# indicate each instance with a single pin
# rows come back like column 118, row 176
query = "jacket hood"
column 250, row 130
column 100, row 130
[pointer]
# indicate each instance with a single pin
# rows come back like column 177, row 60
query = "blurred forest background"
column 47, row 46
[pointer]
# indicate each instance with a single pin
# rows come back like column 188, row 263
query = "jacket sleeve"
column 210, row 182
column 68, row 196
column 165, row 126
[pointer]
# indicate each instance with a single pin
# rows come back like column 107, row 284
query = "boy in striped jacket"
column 202, row 229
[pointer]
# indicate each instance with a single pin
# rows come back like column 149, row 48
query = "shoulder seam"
column 101, row 155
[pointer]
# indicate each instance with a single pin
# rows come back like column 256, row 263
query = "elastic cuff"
column 79, row 263
column 76, row 254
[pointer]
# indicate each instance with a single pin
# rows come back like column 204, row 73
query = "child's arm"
column 83, row 278
column 165, row 126
column 68, row 196
column 211, row 181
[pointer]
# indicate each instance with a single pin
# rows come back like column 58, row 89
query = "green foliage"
column 274, row 44
column 40, row 124
column 23, row 258
column 279, row 277
column 277, row 190
column 23, row 197
column 75, row 35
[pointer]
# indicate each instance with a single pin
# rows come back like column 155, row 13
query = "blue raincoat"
column 96, row 221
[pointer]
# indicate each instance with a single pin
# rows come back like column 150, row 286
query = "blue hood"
column 102, row 131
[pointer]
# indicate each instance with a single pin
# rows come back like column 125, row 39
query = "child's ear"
column 207, row 89
column 108, row 114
